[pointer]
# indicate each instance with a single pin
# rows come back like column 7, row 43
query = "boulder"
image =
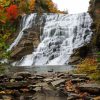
column 77, row 80
column 23, row 74
column 13, row 85
column 74, row 60
column 5, row 97
column 96, row 98
column 91, row 88
column 17, row 78
column 81, row 76
column 48, row 80
column 73, row 96
column 58, row 82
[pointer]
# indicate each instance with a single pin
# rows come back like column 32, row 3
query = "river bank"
column 49, row 86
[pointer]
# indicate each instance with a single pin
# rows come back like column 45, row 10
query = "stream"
column 39, row 69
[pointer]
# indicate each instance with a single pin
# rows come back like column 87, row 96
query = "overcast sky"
column 73, row 6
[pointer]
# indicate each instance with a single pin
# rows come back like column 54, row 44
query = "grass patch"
column 3, row 68
column 89, row 67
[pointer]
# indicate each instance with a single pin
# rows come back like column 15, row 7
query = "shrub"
column 2, row 15
column 89, row 67
column 31, row 5
column 23, row 7
column 12, row 12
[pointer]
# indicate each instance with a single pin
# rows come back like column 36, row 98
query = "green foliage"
column 5, row 3
column 98, row 59
column 89, row 67
column 3, row 69
column 8, row 25
column 98, row 53
column 23, row 7
column 96, row 75
column 4, row 46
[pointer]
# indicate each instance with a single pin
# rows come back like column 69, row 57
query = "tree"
column 31, row 5
column 12, row 12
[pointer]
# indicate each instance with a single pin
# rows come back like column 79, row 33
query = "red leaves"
column 1, row 7
column 12, row 12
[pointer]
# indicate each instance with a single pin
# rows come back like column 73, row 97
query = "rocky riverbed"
column 48, row 86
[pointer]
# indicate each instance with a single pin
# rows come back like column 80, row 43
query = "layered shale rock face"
column 94, row 10
column 28, row 38
column 60, row 36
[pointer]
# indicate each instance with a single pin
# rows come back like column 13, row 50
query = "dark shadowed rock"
column 77, row 80
column 73, row 96
column 91, row 88
column 17, row 78
column 23, row 74
column 13, row 85
column 81, row 76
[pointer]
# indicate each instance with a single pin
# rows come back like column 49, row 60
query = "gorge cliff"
column 94, row 10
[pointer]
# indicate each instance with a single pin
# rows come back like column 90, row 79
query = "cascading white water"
column 26, row 24
column 61, row 35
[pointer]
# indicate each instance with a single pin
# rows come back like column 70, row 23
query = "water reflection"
column 41, row 69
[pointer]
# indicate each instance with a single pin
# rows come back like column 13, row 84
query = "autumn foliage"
column 43, row 5
column 51, row 6
column 12, row 12
column 2, row 15
column 87, row 66
column 31, row 5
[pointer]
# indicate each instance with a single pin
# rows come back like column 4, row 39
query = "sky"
column 73, row 6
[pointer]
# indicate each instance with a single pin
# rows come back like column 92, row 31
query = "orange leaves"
column 23, row 7
column 2, row 15
column 1, row 7
column 52, row 7
column 87, row 66
column 69, row 86
column 12, row 12
column 31, row 5
column 90, row 61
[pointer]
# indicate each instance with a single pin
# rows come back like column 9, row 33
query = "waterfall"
column 61, row 34
column 27, row 22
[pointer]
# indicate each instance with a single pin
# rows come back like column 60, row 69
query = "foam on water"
column 61, row 34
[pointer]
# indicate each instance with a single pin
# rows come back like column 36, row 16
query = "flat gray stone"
column 58, row 82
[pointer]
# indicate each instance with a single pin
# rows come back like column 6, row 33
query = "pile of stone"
column 50, row 86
